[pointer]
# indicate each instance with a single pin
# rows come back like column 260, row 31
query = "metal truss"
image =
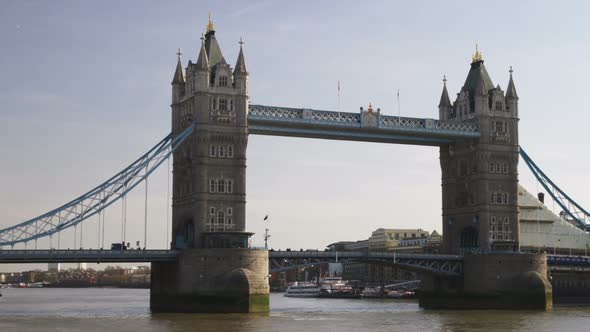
column 449, row 265
column 573, row 210
column 362, row 126
column 97, row 199
column 557, row 261
column 86, row 256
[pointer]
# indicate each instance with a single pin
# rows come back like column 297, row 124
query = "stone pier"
column 492, row 281
column 212, row 280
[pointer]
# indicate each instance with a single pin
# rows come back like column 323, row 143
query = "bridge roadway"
column 451, row 265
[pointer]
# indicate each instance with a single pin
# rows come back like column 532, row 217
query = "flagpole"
column 399, row 109
column 338, row 99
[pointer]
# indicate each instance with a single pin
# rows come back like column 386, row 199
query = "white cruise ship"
column 303, row 289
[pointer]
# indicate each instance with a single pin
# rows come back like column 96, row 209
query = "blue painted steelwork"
column 97, row 199
column 86, row 256
column 362, row 126
column 449, row 265
column 573, row 210
column 563, row 260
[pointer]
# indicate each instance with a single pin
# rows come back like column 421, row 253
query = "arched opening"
column 185, row 237
column 469, row 238
column 189, row 234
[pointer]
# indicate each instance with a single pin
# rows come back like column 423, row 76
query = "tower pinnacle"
column 210, row 26
column 445, row 101
column 241, row 62
column 511, row 90
column 478, row 56
column 179, row 72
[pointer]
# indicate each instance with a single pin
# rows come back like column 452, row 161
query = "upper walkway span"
column 366, row 126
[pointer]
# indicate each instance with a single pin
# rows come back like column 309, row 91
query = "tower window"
column 498, row 105
column 505, row 168
column 222, row 80
column 212, row 210
column 221, row 186
column 230, row 186
column 230, row 151
column 212, row 185
column 212, row 151
column 231, row 104
column 221, row 151
column 220, row 217
column 230, row 211
column 222, row 104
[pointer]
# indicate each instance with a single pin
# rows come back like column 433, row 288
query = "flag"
column 266, row 217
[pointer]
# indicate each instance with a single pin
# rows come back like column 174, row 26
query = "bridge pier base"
column 212, row 281
column 492, row 281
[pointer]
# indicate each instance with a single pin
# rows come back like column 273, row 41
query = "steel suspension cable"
column 145, row 213
column 167, row 244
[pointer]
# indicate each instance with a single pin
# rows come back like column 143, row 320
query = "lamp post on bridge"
column 266, row 233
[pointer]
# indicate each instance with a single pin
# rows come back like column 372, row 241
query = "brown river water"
column 106, row 310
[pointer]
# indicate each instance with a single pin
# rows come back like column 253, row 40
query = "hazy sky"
column 85, row 89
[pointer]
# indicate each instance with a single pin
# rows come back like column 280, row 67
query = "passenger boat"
column 303, row 289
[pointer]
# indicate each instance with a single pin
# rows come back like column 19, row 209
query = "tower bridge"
column 209, row 265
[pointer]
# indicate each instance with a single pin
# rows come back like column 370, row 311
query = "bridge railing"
column 353, row 254
column 354, row 120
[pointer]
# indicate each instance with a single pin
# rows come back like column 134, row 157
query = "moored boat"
column 303, row 289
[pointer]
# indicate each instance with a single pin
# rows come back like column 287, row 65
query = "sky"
column 85, row 90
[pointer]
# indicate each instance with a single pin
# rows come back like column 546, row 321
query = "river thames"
column 98, row 309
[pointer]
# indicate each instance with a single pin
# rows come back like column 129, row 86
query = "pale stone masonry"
column 209, row 186
column 480, row 177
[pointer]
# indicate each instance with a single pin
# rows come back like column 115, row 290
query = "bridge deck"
column 86, row 256
column 308, row 123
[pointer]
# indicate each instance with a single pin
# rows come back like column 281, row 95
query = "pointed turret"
column 179, row 72
column 444, row 106
column 445, row 101
column 212, row 48
column 511, row 90
column 203, row 60
column 240, row 71
column 241, row 63
column 178, row 82
column 511, row 96
column 478, row 77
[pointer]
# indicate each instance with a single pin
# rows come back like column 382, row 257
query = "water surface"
column 96, row 309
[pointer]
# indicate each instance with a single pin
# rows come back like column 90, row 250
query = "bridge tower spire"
column 178, row 81
column 209, row 194
column 444, row 105
column 480, row 177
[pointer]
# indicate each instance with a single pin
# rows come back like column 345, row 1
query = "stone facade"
column 216, row 272
column 209, row 181
column 480, row 177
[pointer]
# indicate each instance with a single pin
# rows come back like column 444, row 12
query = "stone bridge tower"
column 480, row 177
column 216, row 271
column 209, row 186
column 480, row 207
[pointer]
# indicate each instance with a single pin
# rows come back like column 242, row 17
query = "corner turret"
column 444, row 106
column 178, row 82
column 511, row 96
column 240, row 71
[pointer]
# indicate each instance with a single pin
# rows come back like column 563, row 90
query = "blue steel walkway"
column 363, row 126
